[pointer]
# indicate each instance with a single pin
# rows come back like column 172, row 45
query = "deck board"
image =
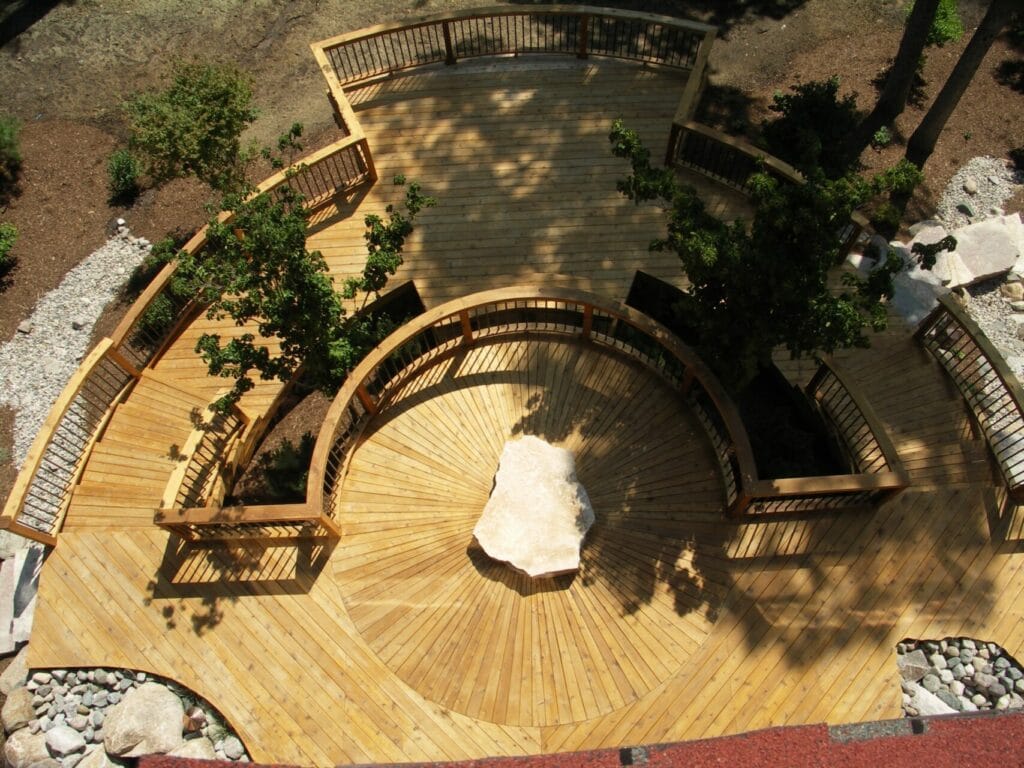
column 403, row 642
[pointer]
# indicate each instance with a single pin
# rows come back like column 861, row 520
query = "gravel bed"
column 37, row 363
column 998, row 321
column 981, row 186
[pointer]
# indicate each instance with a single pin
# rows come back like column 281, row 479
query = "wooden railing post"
column 371, row 167
column 467, row 327
column 588, row 321
column 675, row 135
column 449, row 49
column 366, row 399
column 584, row 35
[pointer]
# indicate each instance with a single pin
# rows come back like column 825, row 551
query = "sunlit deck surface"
column 402, row 642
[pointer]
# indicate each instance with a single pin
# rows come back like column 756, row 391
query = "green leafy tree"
column 194, row 125
column 811, row 128
column 255, row 268
column 752, row 290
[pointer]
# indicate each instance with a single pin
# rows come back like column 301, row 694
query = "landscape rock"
column 970, row 186
column 64, row 740
column 912, row 666
column 927, row 703
column 232, row 748
column 24, row 749
column 538, row 513
column 16, row 674
column 196, row 749
column 147, row 721
column 17, row 710
column 97, row 757
column 990, row 247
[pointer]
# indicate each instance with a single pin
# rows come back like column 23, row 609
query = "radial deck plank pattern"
column 402, row 641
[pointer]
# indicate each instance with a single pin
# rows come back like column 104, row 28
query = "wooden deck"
column 401, row 643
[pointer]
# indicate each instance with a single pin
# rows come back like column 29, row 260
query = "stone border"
column 97, row 717
column 958, row 675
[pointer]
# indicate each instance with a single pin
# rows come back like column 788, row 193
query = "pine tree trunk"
column 893, row 98
column 922, row 141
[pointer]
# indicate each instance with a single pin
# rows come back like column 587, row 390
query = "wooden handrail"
column 985, row 381
column 88, row 372
column 866, row 413
column 452, row 313
column 323, row 48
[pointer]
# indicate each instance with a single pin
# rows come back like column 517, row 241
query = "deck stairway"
column 128, row 470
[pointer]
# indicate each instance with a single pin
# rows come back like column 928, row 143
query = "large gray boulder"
column 17, row 709
column 24, row 749
column 148, row 720
column 991, row 247
column 538, row 512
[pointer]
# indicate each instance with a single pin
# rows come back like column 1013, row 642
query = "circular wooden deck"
column 468, row 632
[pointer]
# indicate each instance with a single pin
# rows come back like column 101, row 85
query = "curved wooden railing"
column 878, row 472
column 989, row 387
column 575, row 30
column 39, row 499
column 563, row 311
column 512, row 311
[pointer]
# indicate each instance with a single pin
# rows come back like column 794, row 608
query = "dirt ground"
column 67, row 66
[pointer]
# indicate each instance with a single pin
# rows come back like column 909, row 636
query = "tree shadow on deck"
column 230, row 571
column 815, row 583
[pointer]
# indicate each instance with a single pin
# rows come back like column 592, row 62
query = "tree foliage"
column 752, row 290
column 812, row 127
column 255, row 268
column 946, row 27
column 194, row 125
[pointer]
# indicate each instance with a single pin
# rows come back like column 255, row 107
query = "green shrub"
column 193, row 127
column 885, row 220
column 123, row 171
column 947, row 26
column 8, row 234
column 161, row 254
column 812, row 127
column 900, row 179
column 10, row 158
column 882, row 138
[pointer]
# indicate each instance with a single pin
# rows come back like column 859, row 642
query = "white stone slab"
column 538, row 513
column 991, row 247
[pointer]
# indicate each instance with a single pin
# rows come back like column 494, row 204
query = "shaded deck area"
column 399, row 643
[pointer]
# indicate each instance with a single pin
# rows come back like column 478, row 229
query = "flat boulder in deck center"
column 538, row 513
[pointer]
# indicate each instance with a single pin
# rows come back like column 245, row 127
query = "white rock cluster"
column 48, row 346
column 93, row 718
column 941, row 677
